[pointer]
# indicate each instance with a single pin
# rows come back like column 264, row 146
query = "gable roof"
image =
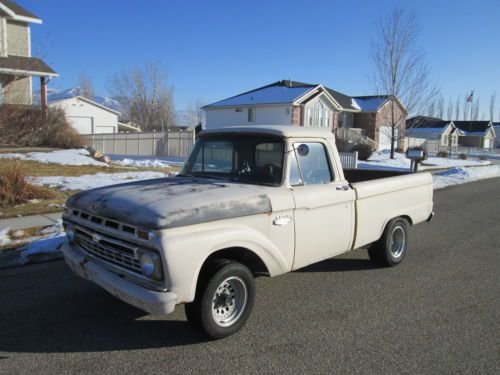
column 91, row 102
column 17, row 12
column 370, row 103
column 473, row 127
column 281, row 92
column 426, row 122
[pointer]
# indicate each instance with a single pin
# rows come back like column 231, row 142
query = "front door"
column 324, row 205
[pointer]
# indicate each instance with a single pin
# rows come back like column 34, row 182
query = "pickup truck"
column 249, row 201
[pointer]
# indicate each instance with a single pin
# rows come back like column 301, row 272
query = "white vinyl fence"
column 176, row 143
column 349, row 160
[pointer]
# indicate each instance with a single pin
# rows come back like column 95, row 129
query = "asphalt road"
column 438, row 312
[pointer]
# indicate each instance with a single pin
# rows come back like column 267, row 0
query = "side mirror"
column 303, row 149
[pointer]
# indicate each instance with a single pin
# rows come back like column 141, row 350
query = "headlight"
column 150, row 265
column 70, row 233
column 67, row 211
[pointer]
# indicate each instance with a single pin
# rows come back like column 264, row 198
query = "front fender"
column 185, row 252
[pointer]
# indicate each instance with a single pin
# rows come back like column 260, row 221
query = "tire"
column 224, row 300
column 391, row 248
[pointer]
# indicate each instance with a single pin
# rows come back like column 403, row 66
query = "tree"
column 86, row 86
column 475, row 108
column 493, row 100
column 145, row 95
column 194, row 115
column 449, row 112
column 464, row 114
column 457, row 107
column 440, row 107
column 400, row 68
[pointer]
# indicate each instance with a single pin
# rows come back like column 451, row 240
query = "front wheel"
column 391, row 248
column 223, row 304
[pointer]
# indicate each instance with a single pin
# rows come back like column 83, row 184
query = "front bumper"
column 151, row 301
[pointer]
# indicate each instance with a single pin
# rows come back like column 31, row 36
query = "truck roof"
column 287, row 131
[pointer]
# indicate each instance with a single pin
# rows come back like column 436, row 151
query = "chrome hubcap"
column 229, row 301
column 398, row 239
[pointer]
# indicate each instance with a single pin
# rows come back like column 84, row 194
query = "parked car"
column 249, row 201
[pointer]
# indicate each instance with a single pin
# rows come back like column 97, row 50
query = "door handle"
column 344, row 187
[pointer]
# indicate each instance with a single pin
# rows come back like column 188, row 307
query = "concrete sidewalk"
column 23, row 222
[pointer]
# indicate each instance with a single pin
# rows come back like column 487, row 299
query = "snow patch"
column 147, row 161
column 458, row 176
column 4, row 237
column 64, row 157
column 90, row 181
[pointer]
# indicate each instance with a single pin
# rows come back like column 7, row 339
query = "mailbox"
column 416, row 155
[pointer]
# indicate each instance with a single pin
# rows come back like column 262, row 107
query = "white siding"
column 275, row 115
column 103, row 121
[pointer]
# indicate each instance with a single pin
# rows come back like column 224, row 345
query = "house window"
column 319, row 116
column 251, row 114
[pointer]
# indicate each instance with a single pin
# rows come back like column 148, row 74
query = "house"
column 431, row 128
column 295, row 103
column 128, row 127
column 87, row 116
column 17, row 66
column 475, row 133
column 496, row 127
column 375, row 117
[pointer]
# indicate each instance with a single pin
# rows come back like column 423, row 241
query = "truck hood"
column 172, row 202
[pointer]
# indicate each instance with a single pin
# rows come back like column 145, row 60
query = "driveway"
column 438, row 312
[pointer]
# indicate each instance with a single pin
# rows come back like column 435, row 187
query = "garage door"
column 384, row 138
column 104, row 129
column 83, row 125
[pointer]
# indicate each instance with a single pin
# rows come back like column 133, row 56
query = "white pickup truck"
column 249, row 201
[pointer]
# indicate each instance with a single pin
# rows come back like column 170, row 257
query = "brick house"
column 295, row 103
column 17, row 66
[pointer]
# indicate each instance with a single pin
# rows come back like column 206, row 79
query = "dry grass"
column 26, row 233
column 15, row 189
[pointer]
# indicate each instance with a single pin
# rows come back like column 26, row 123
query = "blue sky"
column 215, row 49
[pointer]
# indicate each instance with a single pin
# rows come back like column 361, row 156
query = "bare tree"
column 431, row 109
column 194, row 115
column 493, row 101
column 457, row 107
column 449, row 111
column 400, row 69
column 440, row 107
column 465, row 110
column 86, row 86
column 145, row 95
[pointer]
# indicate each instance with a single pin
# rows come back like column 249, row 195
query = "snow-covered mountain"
column 55, row 94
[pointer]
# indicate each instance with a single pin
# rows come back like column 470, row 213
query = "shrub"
column 15, row 189
column 442, row 154
column 364, row 151
column 462, row 156
column 29, row 126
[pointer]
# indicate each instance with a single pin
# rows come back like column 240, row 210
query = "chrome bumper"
column 151, row 301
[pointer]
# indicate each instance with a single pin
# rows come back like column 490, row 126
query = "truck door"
column 324, row 204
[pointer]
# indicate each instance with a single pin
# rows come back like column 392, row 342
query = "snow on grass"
column 147, row 161
column 458, row 176
column 65, row 157
column 41, row 242
column 90, row 181
column 4, row 237
column 382, row 160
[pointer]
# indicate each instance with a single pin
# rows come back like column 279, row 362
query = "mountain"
column 55, row 94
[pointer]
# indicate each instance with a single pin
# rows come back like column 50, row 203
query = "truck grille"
column 107, row 248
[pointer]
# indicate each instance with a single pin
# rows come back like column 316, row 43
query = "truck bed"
column 384, row 195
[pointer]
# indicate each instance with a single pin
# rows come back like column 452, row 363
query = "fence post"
column 355, row 159
column 138, row 145
column 180, row 143
column 154, row 142
column 126, row 143
column 103, row 144
column 167, row 135
column 114, row 143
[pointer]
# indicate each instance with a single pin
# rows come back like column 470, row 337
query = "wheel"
column 391, row 248
column 224, row 300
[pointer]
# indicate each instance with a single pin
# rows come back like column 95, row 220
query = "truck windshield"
column 247, row 159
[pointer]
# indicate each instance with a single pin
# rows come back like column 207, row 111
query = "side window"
column 313, row 163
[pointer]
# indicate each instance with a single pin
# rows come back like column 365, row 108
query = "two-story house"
column 17, row 66
column 286, row 102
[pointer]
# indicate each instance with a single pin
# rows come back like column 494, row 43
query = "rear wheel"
column 223, row 301
column 391, row 248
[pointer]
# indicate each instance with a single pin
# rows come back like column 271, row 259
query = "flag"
column 469, row 98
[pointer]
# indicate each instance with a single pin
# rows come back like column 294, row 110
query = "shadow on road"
column 76, row 316
column 340, row 265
